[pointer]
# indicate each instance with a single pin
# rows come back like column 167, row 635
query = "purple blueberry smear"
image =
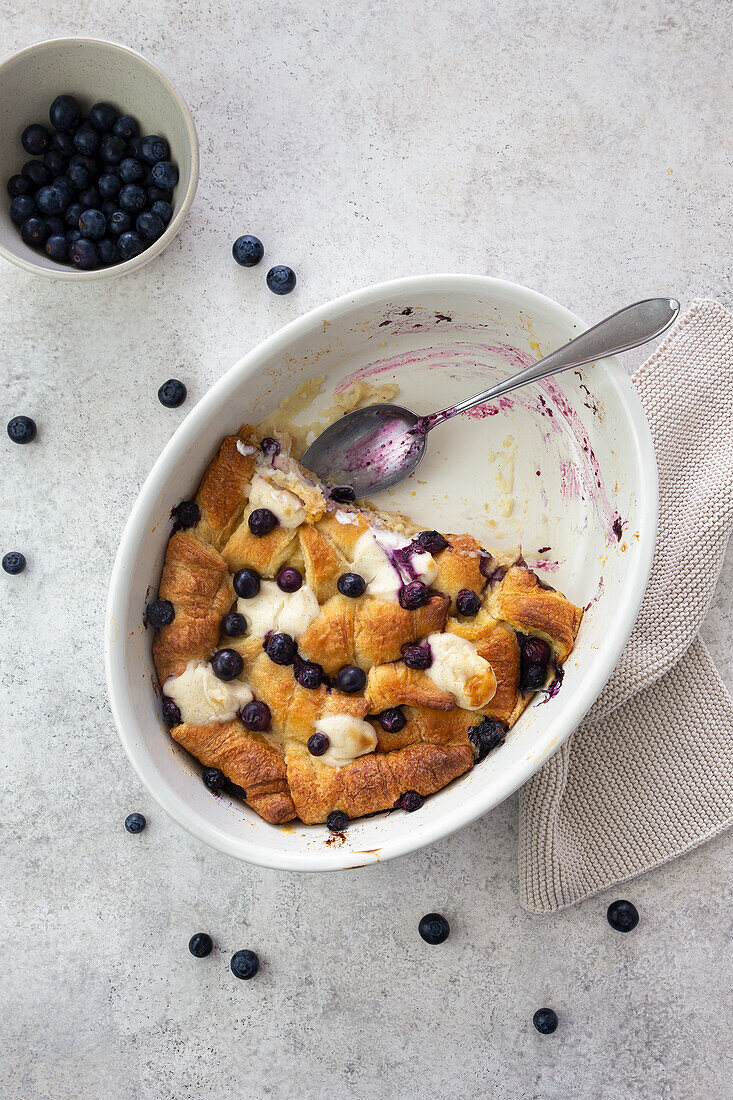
column 486, row 736
column 262, row 521
column 227, row 664
column 255, row 716
column 414, row 595
column 289, row 579
column 351, row 679
column 337, row 821
column 392, row 720
column 318, row 743
column 280, row 648
column 417, row 656
column 160, row 613
column 432, row 541
column 468, row 603
column 246, row 583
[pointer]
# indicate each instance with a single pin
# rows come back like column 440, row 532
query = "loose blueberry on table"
column 200, row 945
column 545, row 1020
column 244, row 964
column 248, row 250
column 87, row 164
column 135, row 823
column 172, row 393
column 434, row 928
column 281, row 280
column 14, row 562
column 623, row 916
column 22, row 429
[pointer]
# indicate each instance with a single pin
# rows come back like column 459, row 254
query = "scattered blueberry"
column 417, row 656
column 152, row 149
column 262, row 521
column 125, row 127
column 135, row 823
column 281, row 280
column 337, row 821
column 432, row 541
column 37, row 173
column 130, row 245
column 118, row 223
column 350, row 679
column 34, row 232
column 309, row 675
column 83, row 254
column 56, row 247
column 165, row 175
column 280, row 648
column 255, row 715
column 162, row 209
column 93, row 224
column 21, row 208
column 545, row 1020
column 468, row 603
column 22, row 429
column 65, row 112
column 289, row 579
column 172, row 393
column 392, row 720
column 318, row 743
column 109, row 185
column 343, row 494
column 213, row 779
column 409, row 802
column 160, row 613
column 227, row 664
column 351, row 585
column 102, row 116
column 86, row 139
column 244, row 964
column 246, row 583
column 14, row 562
column 622, row 915
column 35, row 139
column 187, row 514
column 248, row 250
column 414, row 595
column 200, row 945
column 171, row 713
column 18, row 185
column 434, row 928
column 486, row 736
column 234, row 625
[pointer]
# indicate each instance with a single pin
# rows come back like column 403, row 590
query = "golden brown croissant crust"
column 523, row 628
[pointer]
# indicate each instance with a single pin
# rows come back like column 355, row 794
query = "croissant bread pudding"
column 331, row 660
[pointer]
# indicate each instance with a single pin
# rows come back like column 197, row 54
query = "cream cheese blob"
column 286, row 506
column 202, row 697
column 281, row 612
column 349, row 737
column 461, row 671
column 377, row 560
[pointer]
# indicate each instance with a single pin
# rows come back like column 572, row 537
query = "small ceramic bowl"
column 91, row 70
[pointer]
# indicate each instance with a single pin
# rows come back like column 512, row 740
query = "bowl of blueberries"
column 100, row 157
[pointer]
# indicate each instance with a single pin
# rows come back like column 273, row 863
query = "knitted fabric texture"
column 649, row 773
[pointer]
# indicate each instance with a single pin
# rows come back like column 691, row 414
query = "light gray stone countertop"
column 580, row 149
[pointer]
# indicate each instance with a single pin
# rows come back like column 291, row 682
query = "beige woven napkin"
column 649, row 773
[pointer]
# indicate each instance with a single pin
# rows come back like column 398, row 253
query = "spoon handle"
column 622, row 331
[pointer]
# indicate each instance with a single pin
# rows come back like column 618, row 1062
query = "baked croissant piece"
column 328, row 658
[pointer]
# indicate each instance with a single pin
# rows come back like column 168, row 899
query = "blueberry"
column 108, row 208
column 280, row 648
column 107, row 249
column 135, row 823
column 255, row 716
column 119, row 222
column 35, row 139
column 57, row 248
column 109, row 185
column 417, row 656
column 171, row 713
column 213, row 779
column 131, row 170
column 129, row 245
column 350, row 679
column 244, row 965
column 533, row 677
column 165, row 174
column 113, row 149
column 187, row 514
column 392, row 720
column 281, row 280
column 309, row 675
column 414, row 595
column 248, row 250
column 172, row 393
column 14, row 562
column 342, row 494
column 102, row 116
column 125, row 127
column 78, row 175
column 621, row 915
column 351, row 585
column 63, row 142
column 246, row 583
column 160, row 613
column 234, row 625
column 56, row 162
column 83, row 254
column 72, row 215
column 152, row 149
column 72, row 235
column 163, row 209
column 468, row 603
column 21, row 208
column 86, row 139
column 289, row 579
column 149, row 225
column 486, row 736
column 318, row 743
column 56, row 226
column 535, row 651
column 22, row 429
column 90, row 199
column 65, row 112
column 432, row 541
column 132, row 198
column 270, row 446
column 434, row 928
column 200, row 945
column 18, row 185
column 34, row 232
column 133, row 146
column 262, row 521
column 409, row 802
column 227, row 664
column 37, row 173
column 337, row 821
column 93, row 224
column 158, row 194
column 545, row 1020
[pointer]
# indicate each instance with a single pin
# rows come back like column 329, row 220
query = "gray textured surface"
column 580, row 150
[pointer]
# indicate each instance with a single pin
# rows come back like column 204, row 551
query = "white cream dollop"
column 384, row 573
column 349, row 736
column 282, row 612
column 246, row 448
column 202, row 697
column 286, row 506
column 461, row 671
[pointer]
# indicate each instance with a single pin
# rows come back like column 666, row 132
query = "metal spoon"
column 374, row 448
